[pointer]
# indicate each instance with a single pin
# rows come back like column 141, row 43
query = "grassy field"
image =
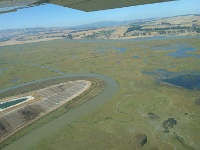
column 116, row 123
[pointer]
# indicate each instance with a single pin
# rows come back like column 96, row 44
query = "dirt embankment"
column 50, row 99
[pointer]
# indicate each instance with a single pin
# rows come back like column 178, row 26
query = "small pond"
column 3, row 69
column 121, row 49
column 136, row 56
column 12, row 102
column 106, row 48
column 189, row 80
column 75, row 57
column 15, row 79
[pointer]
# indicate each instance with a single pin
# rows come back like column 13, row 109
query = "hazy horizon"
column 50, row 15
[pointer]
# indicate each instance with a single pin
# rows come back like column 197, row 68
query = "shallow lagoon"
column 181, row 50
column 3, row 69
column 106, row 48
column 189, row 80
column 136, row 56
column 17, row 79
column 121, row 49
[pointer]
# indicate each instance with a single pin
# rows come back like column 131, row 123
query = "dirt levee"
column 44, row 101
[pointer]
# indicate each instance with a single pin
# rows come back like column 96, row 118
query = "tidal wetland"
column 150, row 101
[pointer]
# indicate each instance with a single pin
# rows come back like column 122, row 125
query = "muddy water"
column 55, row 125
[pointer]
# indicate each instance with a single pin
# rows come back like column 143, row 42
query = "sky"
column 50, row 15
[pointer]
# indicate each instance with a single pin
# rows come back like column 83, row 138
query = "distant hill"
column 102, row 24
column 107, row 24
column 165, row 26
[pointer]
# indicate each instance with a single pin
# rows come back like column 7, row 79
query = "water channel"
column 55, row 125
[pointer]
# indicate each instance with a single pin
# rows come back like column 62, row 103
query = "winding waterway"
column 55, row 125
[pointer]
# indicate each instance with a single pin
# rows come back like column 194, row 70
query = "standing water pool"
column 10, row 103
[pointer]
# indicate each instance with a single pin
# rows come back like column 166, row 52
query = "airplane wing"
column 84, row 5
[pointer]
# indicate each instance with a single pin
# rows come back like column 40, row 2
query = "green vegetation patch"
column 119, row 120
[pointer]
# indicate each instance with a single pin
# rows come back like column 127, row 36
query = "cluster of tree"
column 106, row 33
column 140, row 34
column 165, row 30
column 69, row 36
column 198, row 30
column 170, row 31
column 165, row 23
column 92, row 36
column 161, row 30
column 170, row 28
column 135, row 27
column 195, row 28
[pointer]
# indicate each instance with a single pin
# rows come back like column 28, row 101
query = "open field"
column 168, row 115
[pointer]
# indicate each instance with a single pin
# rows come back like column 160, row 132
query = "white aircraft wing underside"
column 84, row 5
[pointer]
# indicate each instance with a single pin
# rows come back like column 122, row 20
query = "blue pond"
column 181, row 50
column 11, row 103
column 3, row 69
column 103, row 49
column 15, row 79
column 190, row 82
column 74, row 57
column 121, row 49
column 136, row 56
column 186, row 79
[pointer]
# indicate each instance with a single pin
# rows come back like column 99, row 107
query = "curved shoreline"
column 40, row 103
column 55, row 77
column 55, row 125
